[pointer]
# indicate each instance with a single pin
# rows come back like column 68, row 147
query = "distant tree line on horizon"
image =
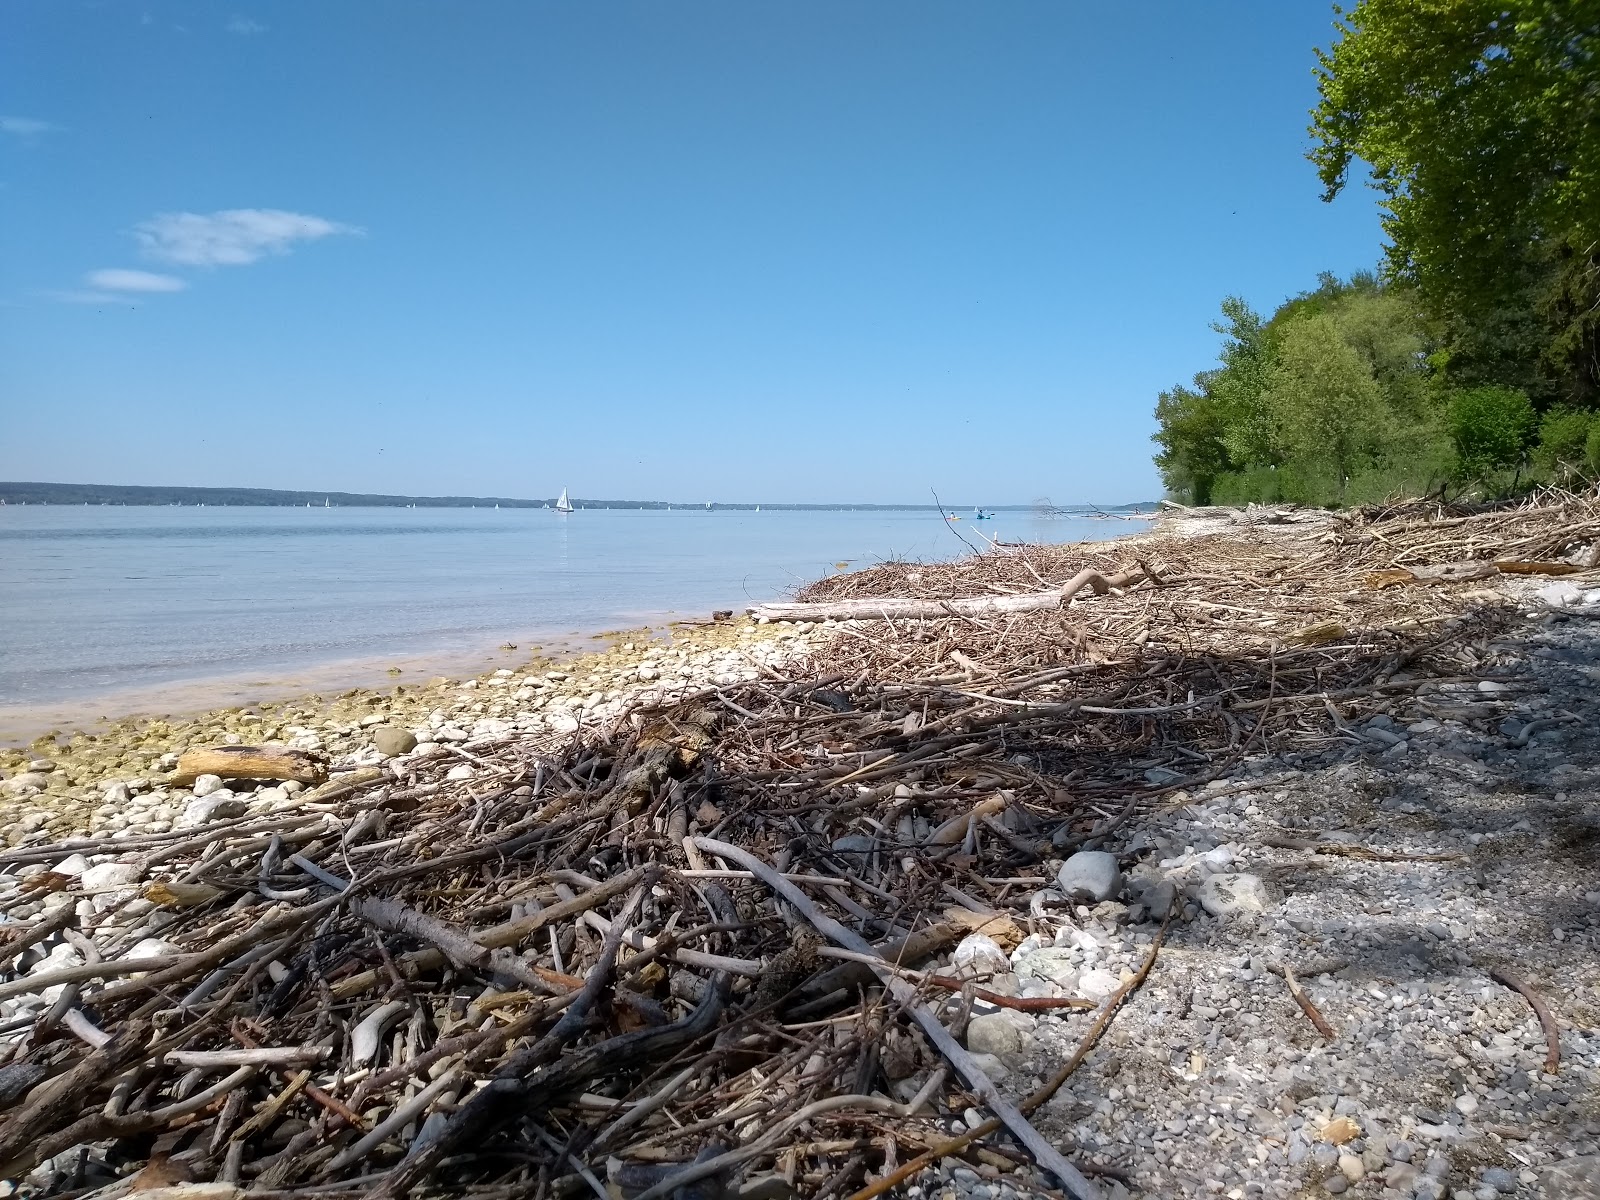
column 1473, row 357
column 145, row 495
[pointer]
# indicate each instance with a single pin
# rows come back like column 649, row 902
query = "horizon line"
column 297, row 497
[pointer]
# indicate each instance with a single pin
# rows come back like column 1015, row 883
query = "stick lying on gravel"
column 1547, row 1022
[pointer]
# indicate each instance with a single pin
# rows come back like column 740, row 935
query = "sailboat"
column 564, row 505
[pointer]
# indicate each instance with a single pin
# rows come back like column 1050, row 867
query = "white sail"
column 564, row 505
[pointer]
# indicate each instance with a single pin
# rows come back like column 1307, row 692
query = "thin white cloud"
column 24, row 127
column 234, row 237
column 245, row 27
column 118, row 279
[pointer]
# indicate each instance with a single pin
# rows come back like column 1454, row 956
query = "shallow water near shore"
column 110, row 609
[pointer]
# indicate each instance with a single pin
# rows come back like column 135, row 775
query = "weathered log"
column 249, row 762
column 889, row 608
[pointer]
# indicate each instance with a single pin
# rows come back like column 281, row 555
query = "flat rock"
column 1560, row 595
column 1097, row 984
column 1050, row 964
column 1575, row 1179
column 216, row 807
column 1234, row 895
column 1091, row 874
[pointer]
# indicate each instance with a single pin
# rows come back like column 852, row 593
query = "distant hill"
column 107, row 493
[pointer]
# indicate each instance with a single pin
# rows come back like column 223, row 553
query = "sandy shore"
column 55, row 785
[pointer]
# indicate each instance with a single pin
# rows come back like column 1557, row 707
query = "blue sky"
column 750, row 251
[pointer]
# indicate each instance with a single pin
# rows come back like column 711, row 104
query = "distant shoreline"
column 145, row 496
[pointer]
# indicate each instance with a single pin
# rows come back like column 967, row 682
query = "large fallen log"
column 249, row 762
column 889, row 608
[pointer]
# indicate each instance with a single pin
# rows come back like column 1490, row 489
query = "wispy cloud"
column 118, row 279
column 245, row 27
column 25, row 127
column 234, row 237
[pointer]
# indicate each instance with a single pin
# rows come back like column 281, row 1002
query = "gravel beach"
column 1424, row 872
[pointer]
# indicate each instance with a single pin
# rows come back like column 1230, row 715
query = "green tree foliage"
column 1491, row 428
column 1333, row 392
column 1328, row 410
column 1480, row 120
column 1564, row 442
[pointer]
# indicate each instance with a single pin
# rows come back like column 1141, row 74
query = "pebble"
column 1500, row 1179
column 207, row 784
column 996, row 1034
column 393, row 740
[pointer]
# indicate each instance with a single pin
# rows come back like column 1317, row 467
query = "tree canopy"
column 1475, row 355
column 1480, row 121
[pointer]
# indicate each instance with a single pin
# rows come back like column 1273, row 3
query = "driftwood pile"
column 656, row 959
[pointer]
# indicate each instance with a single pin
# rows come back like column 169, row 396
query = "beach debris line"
column 753, row 934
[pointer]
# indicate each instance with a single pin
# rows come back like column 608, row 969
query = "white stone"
column 1236, row 895
column 1091, row 873
column 462, row 771
column 109, row 875
column 151, row 948
column 1096, row 985
column 981, row 955
column 72, row 864
column 1560, row 594
column 219, row 806
column 1218, row 860
column 207, row 784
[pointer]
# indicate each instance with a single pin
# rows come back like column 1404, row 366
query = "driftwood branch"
column 891, row 608
column 1046, row 1155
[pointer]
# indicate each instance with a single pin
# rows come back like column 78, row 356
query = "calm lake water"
column 101, row 600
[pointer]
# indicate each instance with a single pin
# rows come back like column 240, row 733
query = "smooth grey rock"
column 1401, row 1177
column 1574, row 1179
column 1500, row 1179
column 1234, row 895
column 215, row 807
column 855, row 845
column 1334, row 1184
column 1160, row 899
column 392, row 740
column 995, row 1034
column 1091, row 874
